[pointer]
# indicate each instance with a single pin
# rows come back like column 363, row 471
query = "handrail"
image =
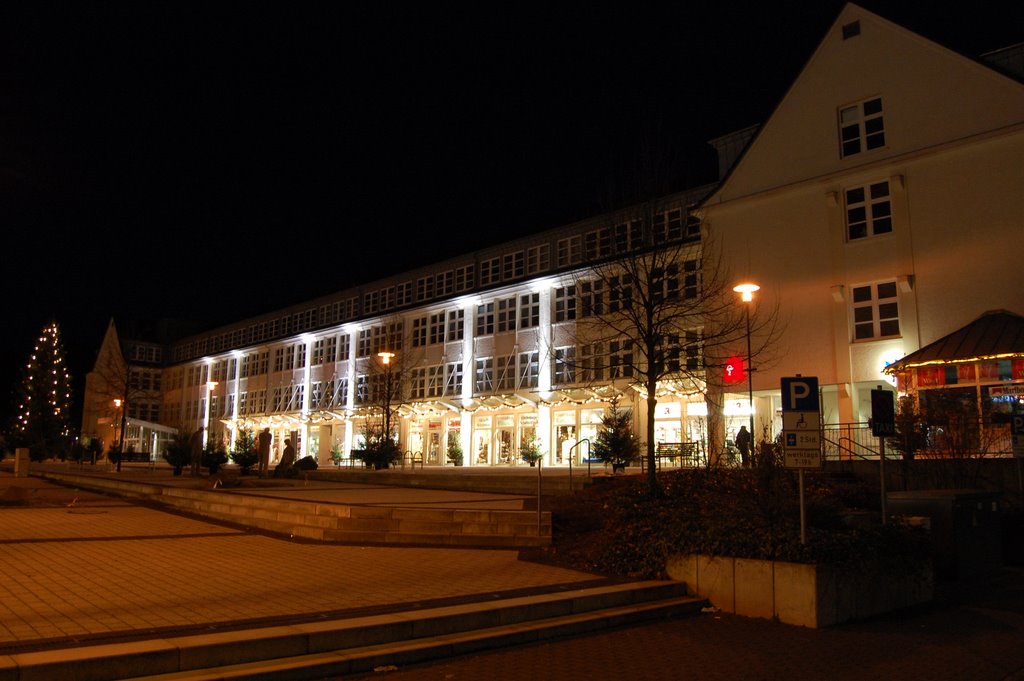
column 571, row 449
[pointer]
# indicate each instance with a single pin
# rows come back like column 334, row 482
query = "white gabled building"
column 882, row 204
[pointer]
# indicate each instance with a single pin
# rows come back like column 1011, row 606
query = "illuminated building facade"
column 882, row 205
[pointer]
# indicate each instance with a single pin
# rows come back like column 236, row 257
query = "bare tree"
column 384, row 372
column 656, row 309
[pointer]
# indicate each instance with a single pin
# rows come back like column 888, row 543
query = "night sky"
column 211, row 161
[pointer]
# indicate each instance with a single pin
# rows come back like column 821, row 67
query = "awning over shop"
column 995, row 335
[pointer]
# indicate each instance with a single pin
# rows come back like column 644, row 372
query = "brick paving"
column 101, row 568
column 89, row 567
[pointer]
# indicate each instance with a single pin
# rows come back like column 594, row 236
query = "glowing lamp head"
column 385, row 356
column 746, row 291
column 117, row 404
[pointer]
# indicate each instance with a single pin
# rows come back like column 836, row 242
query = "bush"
column 381, row 454
column 617, row 528
column 530, row 451
column 178, row 452
column 617, row 444
column 214, row 457
column 245, row 455
column 454, row 451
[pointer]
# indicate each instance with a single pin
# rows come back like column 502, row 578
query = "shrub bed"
column 617, row 528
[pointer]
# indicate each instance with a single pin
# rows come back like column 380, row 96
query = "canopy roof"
column 997, row 334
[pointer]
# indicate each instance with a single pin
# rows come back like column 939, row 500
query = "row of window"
column 572, row 251
column 509, row 373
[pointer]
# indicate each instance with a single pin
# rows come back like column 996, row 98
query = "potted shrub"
column 454, row 451
column 616, row 443
column 381, row 453
column 245, row 455
column 337, row 456
column 214, row 456
column 178, row 452
column 530, row 451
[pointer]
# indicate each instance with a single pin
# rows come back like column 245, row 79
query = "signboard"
column 1006, row 390
column 803, row 459
column 801, row 422
column 800, row 393
column 883, row 413
column 1018, row 435
column 735, row 372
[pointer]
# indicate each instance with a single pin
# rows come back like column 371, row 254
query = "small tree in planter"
column 381, row 452
column 245, row 455
column 178, row 452
column 530, row 451
column 454, row 450
column 214, row 456
column 617, row 444
column 337, row 456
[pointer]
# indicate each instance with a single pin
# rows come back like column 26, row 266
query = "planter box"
column 797, row 593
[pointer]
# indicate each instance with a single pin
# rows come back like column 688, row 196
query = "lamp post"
column 746, row 292
column 120, row 404
column 120, row 433
column 385, row 358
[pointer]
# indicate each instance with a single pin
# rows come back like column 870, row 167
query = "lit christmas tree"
column 44, row 409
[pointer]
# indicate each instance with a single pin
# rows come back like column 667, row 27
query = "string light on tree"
column 45, row 392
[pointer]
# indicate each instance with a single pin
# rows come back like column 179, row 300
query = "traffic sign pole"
column 883, row 422
column 801, row 430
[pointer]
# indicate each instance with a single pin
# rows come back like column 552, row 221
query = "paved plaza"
column 78, row 567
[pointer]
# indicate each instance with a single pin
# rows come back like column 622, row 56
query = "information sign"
column 883, row 413
column 801, row 422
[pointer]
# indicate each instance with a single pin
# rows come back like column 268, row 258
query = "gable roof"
column 799, row 139
column 997, row 334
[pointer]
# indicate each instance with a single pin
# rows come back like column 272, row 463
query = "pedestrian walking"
column 743, row 444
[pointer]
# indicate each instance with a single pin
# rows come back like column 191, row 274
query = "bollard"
column 21, row 462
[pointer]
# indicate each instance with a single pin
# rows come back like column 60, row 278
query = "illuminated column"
column 350, row 389
column 544, row 339
column 545, row 334
column 306, row 376
column 210, row 387
column 469, row 380
column 237, row 356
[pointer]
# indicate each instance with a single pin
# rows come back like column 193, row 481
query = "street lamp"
column 385, row 358
column 119, row 404
column 120, row 435
column 746, row 292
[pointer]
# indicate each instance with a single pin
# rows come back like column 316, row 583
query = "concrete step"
column 521, row 482
column 319, row 648
column 335, row 522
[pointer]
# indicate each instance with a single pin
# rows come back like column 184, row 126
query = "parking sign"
column 800, row 393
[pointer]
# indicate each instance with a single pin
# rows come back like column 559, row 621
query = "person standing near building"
column 263, row 449
column 196, row 446
column 743, row 444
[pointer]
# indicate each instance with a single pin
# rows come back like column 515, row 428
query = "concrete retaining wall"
column 797, row 593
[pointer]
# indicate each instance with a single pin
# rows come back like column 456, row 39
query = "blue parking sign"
column 800, row 393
